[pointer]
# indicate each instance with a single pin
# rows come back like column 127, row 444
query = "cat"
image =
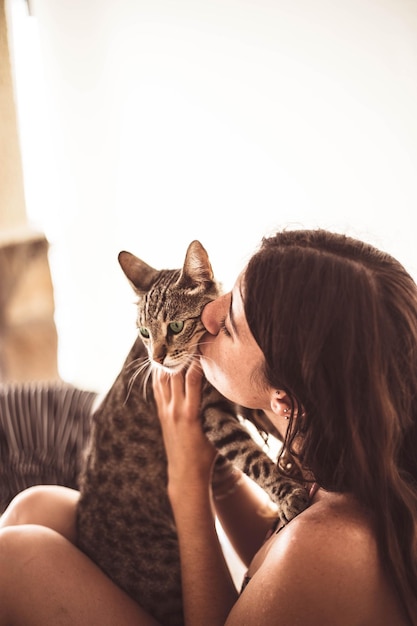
column 124, row 518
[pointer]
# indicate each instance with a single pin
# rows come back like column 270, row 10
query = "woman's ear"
column 280, row 403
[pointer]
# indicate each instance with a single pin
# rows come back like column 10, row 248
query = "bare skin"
column 46, row 505
column 45, row 580
column 341, row 580
column 323, row 569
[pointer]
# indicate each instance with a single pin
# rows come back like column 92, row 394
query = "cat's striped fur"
column 124, row 518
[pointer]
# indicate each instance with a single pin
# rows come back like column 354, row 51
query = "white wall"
column 148, row 123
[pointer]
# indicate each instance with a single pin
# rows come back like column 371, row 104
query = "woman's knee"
column 24, row 507
column 47, row 505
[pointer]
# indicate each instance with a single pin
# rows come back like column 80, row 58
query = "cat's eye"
column 176, row 327
column 144, row 332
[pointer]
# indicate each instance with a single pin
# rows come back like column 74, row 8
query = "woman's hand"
column 207, row 598
column 190, row 455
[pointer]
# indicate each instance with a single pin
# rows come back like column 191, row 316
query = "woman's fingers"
column 189, row 453
column 193, row 383
column 161, row 387
column 178, row 394
column 177, row 385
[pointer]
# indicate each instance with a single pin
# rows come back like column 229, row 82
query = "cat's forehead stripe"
column 157, row 298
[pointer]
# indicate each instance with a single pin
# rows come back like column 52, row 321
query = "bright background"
column 148, row 123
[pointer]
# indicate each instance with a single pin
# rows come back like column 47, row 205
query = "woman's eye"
column 176, row 327
column 144, row 332
column 223, row 328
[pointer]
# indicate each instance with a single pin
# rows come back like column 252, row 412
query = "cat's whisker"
column 145, row 382
column 202, row 343
column 146, row 364
column 194, row 358
column 207, row 358
column 139, row 361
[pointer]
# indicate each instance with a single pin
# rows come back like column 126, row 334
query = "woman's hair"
column 337, row 322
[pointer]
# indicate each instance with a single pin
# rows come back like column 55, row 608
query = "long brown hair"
column 337, row 322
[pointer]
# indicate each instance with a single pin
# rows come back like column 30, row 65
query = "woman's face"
column 230, row 354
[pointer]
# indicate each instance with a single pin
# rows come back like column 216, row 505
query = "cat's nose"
column 159, row 354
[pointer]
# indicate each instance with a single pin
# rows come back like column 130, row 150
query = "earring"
column 286, row 412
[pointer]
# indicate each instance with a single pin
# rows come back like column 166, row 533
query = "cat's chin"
column 173, row 369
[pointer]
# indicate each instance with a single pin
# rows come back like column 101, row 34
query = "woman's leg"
column 45, row 580
column 47, row 505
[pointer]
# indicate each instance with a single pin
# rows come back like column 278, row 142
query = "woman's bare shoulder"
column 322, row 568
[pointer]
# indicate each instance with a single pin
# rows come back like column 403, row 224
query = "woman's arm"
column 244, row 510
column 208, row 589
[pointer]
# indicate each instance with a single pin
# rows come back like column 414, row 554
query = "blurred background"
column 144, row 124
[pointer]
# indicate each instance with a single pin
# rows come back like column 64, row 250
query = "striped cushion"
column 44, row 428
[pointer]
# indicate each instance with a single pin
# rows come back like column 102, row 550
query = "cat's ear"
column 197, row 267
column 139, row 274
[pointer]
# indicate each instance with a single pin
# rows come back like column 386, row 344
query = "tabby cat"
column 124, row 518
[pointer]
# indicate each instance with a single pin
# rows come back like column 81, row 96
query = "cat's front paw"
column 293, row 504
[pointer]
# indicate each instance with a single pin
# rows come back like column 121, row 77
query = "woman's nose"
column 212, row 315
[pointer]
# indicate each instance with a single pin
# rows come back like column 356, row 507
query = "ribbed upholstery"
column 44, row 428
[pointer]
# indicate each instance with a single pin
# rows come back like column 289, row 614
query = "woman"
column 320, row 331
